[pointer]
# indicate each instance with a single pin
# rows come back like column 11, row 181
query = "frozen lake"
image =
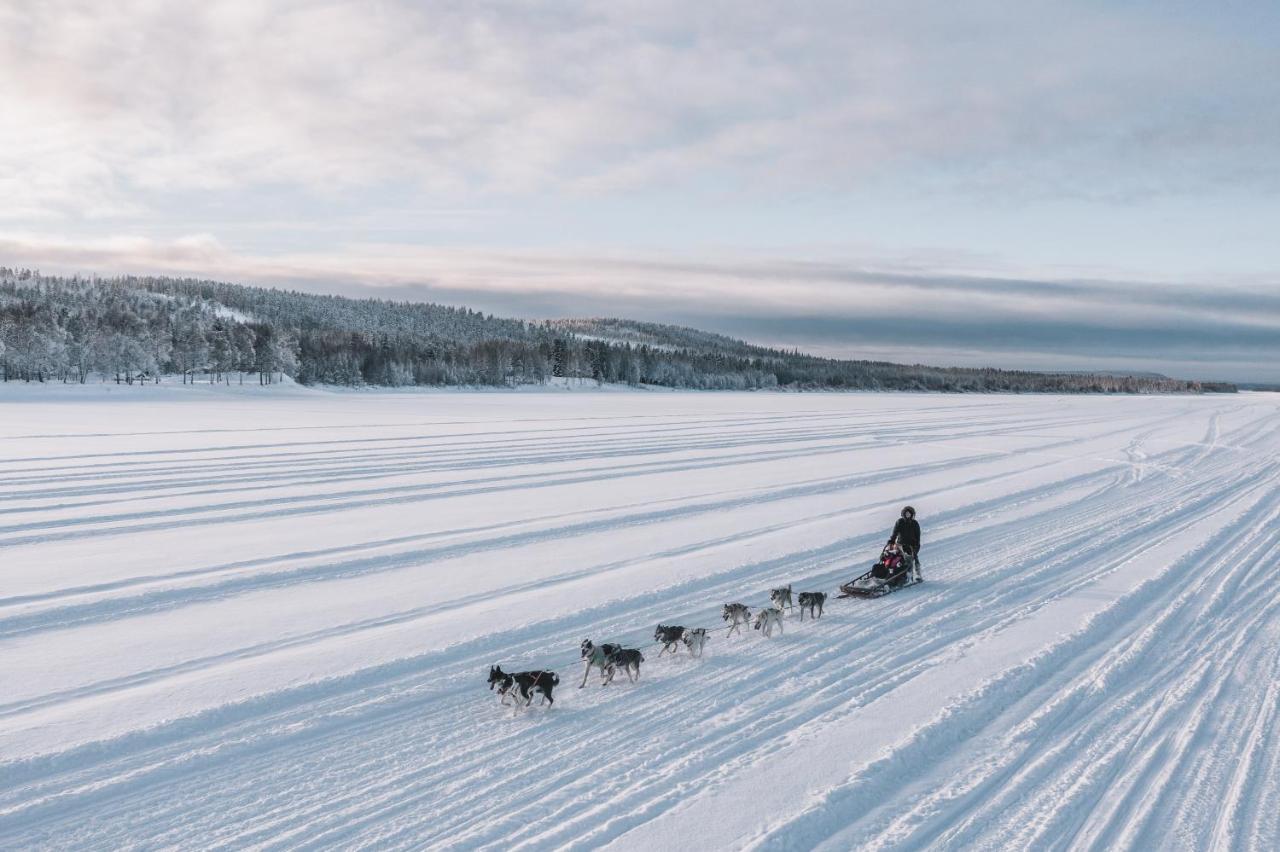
column 264, row 618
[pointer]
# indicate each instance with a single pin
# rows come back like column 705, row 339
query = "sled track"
column 273, row 632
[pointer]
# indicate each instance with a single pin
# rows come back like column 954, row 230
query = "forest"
column 133, row 330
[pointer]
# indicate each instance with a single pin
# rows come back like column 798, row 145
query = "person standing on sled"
column 906, row 534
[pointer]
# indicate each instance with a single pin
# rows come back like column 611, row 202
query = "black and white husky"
column 627, row 659
column 781, row 597
column 596, row 656
column 669, row 637
column 812, row 601
column 694, row 640
column 520, row 685
column 737, row 615
column 767, row 619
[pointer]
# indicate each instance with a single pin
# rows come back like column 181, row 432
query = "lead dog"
column 694, row 640
column 781, row 597
column 810, row 601
column 738, row 614
column 627, row 659
column 767, row 619
column 596, row 656
column 669, row 637
column 524, row 683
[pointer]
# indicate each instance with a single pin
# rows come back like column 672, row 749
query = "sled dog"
column 596, row 656
column 694, row 640
column 812, row 601
column 627, row 659
column 781, row 597
column 737, row 614
column 669, row 636
column 767, row 619
column 523, row 683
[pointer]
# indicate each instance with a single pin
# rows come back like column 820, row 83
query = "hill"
column 132, row 328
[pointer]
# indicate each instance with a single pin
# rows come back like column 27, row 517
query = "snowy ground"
column 265, row 619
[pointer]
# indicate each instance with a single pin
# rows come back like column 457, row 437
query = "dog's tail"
column 555, row 679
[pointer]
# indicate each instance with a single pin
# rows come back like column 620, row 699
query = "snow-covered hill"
column 265, row 620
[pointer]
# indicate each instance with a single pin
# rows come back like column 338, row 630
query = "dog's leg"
column 585, row 672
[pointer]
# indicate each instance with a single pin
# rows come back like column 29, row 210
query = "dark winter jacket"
column 906, row 532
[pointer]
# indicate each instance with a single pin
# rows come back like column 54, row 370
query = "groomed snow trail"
column 265, row 620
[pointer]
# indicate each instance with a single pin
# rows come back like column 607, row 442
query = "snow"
column 232, row 314
column 264, row 616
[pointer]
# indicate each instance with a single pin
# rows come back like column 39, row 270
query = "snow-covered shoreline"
column 172, row 387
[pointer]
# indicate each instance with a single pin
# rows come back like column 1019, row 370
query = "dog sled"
column 890, row 573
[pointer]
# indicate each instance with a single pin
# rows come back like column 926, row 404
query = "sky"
column 1066, row 185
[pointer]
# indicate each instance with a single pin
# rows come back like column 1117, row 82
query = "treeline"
column 135, row 329
column 55, row 329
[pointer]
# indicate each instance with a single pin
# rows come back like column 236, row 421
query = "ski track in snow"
column 266, row 622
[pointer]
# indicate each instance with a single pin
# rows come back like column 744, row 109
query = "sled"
column 870, row 586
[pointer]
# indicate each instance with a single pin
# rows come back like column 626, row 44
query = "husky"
column 694, row 640
column 509, row 684
column 781, row 597
column 812, row 601
column 596, row 656
column 627, row 659
column 738, row 614
column 669, row 637
column 501, row 681
column 767, row 619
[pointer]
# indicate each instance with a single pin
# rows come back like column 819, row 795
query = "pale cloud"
column 107, row 105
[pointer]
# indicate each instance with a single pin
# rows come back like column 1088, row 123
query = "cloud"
column 109, row 107
column 869, row 309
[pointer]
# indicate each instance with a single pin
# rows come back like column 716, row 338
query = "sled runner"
column 884, row 577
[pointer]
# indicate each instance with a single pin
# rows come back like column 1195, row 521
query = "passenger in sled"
column 891, row 559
